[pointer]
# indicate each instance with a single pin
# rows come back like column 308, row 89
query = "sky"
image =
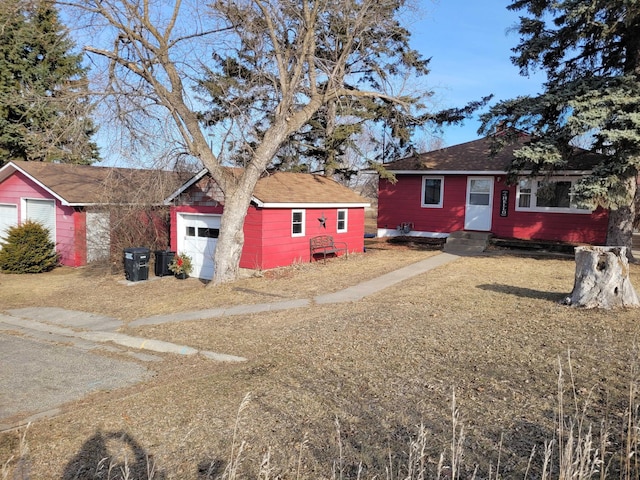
column 469, row 44
column 470, row 48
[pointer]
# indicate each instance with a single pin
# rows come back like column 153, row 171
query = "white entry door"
column 479, row 205
column 198, row 237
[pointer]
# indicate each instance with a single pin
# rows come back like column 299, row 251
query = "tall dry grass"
column 575, row 452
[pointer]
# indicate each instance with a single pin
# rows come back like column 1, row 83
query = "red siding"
column 252, row 252
column 17, row 187
column 400, row 202
column 268, row 240
column 80, row 238
column 563, row 227
column 267, row 232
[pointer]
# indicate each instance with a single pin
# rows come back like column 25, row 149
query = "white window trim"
column 346, row 220
column 304, row 216
column 534, row 198
column 434, row 205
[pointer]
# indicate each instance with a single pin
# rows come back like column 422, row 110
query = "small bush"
column 28, row 249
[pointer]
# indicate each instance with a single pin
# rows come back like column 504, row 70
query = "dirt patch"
column 489, row 329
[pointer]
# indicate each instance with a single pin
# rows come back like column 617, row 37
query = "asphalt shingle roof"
column 475, row 156
column 85, row 185
column 287, row 187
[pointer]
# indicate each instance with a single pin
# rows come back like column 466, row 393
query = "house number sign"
column 504, row 203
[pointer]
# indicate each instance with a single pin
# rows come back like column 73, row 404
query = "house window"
column 553, row 195
column 432, row 191
column 297, row 223
column 342, row 221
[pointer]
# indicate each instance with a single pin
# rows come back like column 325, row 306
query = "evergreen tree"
column 590, row 52
column 44, row 109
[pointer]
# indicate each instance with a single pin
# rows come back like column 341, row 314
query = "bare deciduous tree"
column 248, row 72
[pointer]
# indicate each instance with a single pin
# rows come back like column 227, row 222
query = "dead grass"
column 98, row 291
column 491, row 328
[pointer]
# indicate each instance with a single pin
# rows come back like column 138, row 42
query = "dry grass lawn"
column 490, row 329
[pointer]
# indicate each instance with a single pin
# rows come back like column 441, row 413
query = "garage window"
column 203, row 232
column 297, row 223
column 208, row 232
column 342, row 221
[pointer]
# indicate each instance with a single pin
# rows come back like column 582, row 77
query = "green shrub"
column 28, row 249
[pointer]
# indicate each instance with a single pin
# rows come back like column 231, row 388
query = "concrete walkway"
column 71, row 326
column 350, row 294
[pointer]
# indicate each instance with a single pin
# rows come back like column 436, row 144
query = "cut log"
column 602, row 279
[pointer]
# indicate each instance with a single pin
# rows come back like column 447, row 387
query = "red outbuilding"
column 286, row 211
column 77, row 203
column 464, row 187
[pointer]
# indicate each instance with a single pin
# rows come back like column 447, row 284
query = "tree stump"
column 602, row 279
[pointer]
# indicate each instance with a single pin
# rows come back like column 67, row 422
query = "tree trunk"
column 602, row 279
column 231, row 240
column 621, row 219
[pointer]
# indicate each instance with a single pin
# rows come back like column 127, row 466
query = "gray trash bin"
column 136, row 263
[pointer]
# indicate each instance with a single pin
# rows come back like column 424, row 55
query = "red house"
column 286, row 211
column 464, row 188
column 71, row 200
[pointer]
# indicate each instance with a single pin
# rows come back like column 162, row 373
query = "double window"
column 432, row 191
column 552, row 195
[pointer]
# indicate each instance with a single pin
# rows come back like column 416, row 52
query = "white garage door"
column 197, row 237
column 43, row 212
column 8, row 218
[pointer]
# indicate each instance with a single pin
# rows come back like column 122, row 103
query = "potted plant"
column 181, row 265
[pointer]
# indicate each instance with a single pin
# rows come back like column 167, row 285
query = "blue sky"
column 470, row 48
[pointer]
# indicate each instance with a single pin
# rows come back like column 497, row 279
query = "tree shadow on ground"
column 111, row 455
column 524, row 292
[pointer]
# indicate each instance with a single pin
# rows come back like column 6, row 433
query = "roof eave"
column 187, row 184
column 16, row 168
column 448, row 172
column 484, row 172
column 312, row 205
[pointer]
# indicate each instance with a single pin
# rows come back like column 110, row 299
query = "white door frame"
column 478, row 216
column 181, row 240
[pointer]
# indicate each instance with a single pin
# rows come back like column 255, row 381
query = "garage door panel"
column 199, row 239
column 8, row 219
column 43, row 212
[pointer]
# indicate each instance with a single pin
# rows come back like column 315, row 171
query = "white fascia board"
column 310, row 205
column 556, row 173
column 559, row 173
column 448, row 172
column 186, row 185
column 36, row 181
column 162, row 204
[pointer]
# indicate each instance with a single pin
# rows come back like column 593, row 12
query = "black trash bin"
column 163, row 260
column 136, row 263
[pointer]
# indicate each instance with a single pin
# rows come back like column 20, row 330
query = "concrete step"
column 466, row 241
column 484, row 236
column 462, row 242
